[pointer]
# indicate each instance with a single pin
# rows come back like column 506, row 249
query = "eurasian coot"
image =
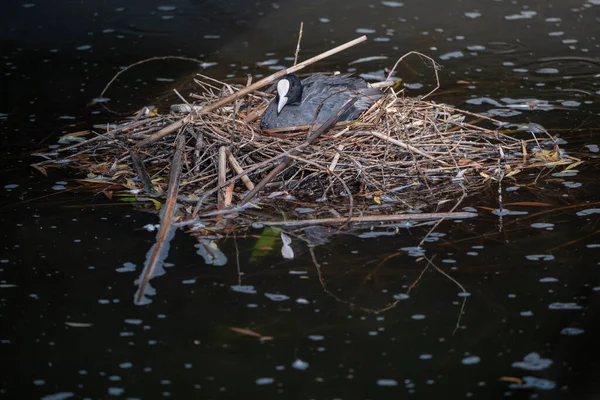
column 297, row 101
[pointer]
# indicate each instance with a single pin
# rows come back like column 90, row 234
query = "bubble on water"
column 392, row 4
column 387, row 382
column 264, row 381
column 414, row 251
column 526, row 313
column 276, row 297
column 127, row 267
column 533, row 362
column 472, row 14
column 587, row 212
column 540, row 257
column 531, row 382
column 300, row 365
column 571, row 331
column 248, row 289
column 271, row 61
column 208, row 64
column 564, row 306
column 542, row 225
column 59, row 396
column 547, row 71
column 413, row 85
column 115, row 391
column 451, row 55
column 471, row 360
column 293, row 272
column 526, row 14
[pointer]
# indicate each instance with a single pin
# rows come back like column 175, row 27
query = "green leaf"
column 265, row 243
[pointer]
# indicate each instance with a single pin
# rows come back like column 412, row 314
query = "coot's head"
column 289, row 91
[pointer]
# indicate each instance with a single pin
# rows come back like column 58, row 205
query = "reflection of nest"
column 419, row 150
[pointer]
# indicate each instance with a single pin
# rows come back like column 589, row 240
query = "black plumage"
column 297, row 101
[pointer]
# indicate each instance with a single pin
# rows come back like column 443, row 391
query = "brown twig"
column 143, row 62
column 436, row 66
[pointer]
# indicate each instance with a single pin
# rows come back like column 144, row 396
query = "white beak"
column 283, row 87
column 282, row 101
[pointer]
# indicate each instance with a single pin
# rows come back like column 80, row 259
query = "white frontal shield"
column 283, row 87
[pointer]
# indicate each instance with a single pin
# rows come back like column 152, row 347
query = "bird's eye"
column 292, row 87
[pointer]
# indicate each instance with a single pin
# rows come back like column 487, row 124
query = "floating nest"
column 208, row 167
column 401, row 155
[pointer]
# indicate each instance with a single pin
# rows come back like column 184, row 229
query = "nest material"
column 402, row 150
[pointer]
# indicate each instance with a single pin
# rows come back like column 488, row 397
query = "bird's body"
column 297, row 101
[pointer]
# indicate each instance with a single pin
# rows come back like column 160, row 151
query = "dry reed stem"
column 238, row 170
column 169, row 214
column 222, row 175
column 298, row 44
column 373, row 218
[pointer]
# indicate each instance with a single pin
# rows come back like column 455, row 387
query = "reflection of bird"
column 297, row 101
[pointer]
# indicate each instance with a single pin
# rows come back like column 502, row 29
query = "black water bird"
column 297, row 101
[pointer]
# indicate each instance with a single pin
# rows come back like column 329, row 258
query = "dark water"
column 68, row 259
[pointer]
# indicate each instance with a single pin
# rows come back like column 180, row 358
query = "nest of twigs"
column 403, row 152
